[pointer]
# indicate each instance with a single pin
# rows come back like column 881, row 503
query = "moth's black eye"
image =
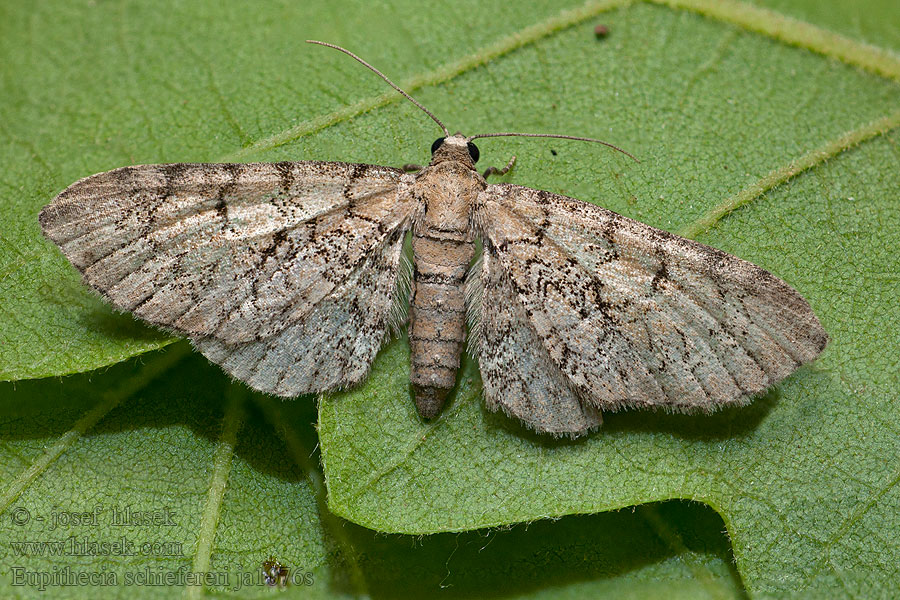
column 473, row 151
column 437, row 144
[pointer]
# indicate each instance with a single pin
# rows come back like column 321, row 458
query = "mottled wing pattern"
column 620, row 314
column 516, row 368
column 283, row 273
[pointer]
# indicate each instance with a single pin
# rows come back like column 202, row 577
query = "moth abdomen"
column 437, row 315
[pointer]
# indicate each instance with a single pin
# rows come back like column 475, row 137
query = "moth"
column 292, row 275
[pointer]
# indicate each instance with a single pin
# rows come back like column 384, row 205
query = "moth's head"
column 456, row 148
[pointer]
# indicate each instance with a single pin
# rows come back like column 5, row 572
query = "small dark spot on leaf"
column 275, row 574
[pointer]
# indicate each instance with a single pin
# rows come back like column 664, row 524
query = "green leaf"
column 234, row 479
column 746, row 127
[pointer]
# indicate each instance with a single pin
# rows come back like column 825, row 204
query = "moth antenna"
column 552, row 135
column 383, row 76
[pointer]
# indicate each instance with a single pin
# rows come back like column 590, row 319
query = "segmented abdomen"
column 437, row 314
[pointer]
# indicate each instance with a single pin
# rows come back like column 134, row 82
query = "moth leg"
column 496, row 171
column 410, row 168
